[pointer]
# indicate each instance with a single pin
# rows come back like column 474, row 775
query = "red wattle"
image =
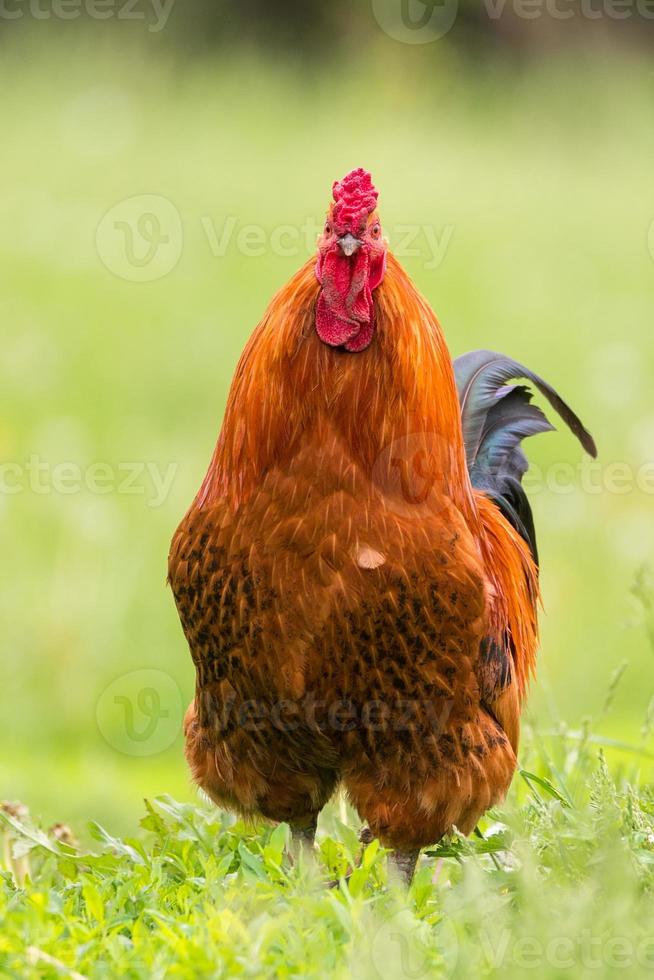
column 345, row 310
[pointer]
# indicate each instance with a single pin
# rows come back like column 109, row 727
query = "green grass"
column 561, row 885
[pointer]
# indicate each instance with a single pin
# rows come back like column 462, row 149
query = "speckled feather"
column 310, row 586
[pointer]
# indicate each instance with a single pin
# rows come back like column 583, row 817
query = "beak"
column 349, row 244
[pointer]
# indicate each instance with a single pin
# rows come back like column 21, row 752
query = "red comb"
column 354, row 198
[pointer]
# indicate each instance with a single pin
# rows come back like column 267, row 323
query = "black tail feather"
column 496, row 417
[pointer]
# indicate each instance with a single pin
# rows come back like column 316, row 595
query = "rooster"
column 357, row 575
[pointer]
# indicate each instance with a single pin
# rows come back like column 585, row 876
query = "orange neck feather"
column 288, row 384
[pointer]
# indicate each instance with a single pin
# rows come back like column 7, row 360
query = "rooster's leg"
column 303, row 838
column 401, row 866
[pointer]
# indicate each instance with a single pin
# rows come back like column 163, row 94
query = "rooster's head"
column 351, row 263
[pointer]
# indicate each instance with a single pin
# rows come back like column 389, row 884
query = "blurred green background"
column 159, row 185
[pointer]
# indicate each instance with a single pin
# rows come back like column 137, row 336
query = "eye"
column 328, row 228
column 375, row 231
